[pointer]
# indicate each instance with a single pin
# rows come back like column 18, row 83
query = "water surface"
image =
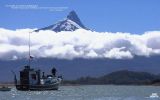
column 86, row 92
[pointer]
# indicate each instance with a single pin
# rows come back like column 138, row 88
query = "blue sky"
column 134, row 16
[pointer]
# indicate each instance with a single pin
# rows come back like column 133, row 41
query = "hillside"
column 123, row 77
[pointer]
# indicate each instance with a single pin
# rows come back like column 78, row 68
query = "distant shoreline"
column 11, row 85
column 123, row 77
column 119, row 78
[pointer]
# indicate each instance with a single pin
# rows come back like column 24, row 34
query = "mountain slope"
column 122, row 77
column 128, row 77
column 71, row 23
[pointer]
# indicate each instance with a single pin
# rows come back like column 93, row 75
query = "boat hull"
column 37, row 87
column 5, row 89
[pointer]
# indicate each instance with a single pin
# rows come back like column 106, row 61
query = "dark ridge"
column 74, row 17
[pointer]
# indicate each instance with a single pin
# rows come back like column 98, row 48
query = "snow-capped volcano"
column 71, row 23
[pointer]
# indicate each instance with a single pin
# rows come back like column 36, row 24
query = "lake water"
column 87, row 92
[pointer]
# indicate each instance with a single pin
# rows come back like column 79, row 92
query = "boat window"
column 33, row 76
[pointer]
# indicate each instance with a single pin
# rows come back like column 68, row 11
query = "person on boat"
column 43, row 76
column 54, row 71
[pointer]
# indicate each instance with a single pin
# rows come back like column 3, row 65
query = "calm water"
column 87, row 92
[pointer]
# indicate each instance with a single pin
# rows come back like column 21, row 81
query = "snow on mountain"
column 71, row 23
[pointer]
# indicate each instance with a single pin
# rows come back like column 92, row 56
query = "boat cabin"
column 29, row 76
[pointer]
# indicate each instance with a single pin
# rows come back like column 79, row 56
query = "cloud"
column 78, row 44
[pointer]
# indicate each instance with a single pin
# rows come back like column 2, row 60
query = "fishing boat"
column 32, row 79
column 5, row 88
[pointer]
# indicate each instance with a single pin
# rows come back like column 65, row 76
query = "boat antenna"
column 29, row 52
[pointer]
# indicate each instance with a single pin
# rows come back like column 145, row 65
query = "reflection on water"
column 87, row 92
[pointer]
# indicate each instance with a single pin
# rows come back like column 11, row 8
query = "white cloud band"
column 78, row 44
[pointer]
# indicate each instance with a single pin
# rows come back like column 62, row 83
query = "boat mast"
column 29, row 54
